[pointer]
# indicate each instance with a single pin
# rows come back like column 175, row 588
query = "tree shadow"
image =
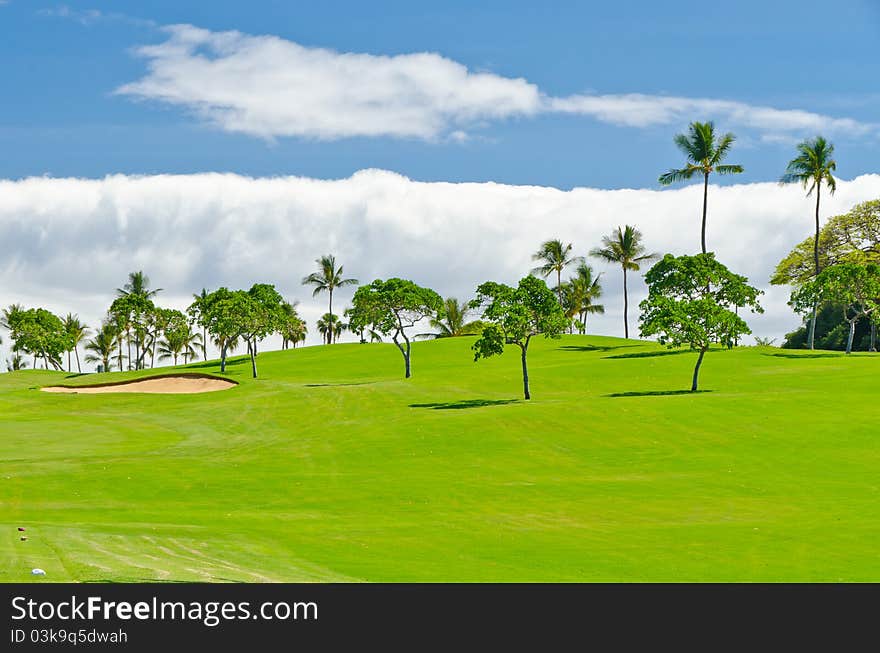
column 654, row 354
column 657, row 393
column 73, row 375
column 465, row 403
column 595, row 347
column 810, row 355
column 238, row 360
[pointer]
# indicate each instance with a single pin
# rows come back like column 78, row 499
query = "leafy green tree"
column 515, row 316
column 76, row 333
column 704, row 150
column 230, row 315
column 359, row 323
column 854, row 287
column 327, row 279
column 176, row 335
column 101, row 347
column 39, row 333
column 134, row 303
column 624, row 247
column 689, row 303
column 555, row 258
column 812, row 167
column 395, row 305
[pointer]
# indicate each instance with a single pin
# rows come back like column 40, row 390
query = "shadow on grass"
column 657, row 393
column 238, row 360
column 465, row 403
column 76, row 374
column 811, row 355
column 654, row 354
column 595, row 347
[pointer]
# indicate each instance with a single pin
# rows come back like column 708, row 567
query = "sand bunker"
column 166, row 385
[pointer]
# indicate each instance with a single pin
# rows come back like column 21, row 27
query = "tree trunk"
column 205, row 343
column 128, row 341
column 559, row 285
column 330, row 326
column 811, row 338
column 705, row 205
column 625, row 307
column 78, row 367
column 852, row 333
column 254, row 363
column 697, row 369
column 873, row 336
column 223, row 358
column 525, row 371
column 405, row 352
column 69, row 362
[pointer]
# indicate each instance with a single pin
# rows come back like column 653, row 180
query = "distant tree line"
column 693, row 300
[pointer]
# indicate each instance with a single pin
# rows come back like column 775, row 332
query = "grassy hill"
column 332, row 467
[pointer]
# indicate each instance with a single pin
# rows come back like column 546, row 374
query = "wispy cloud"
column 89, row 17
column 269, row 87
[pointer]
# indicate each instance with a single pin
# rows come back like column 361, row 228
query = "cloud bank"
column 68, row 243
column 269, row 87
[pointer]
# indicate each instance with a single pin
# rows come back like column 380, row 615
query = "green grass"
column 332, row 467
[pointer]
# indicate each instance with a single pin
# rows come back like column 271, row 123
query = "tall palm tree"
column 76, row 332
column 584, row 289
column 624, row 247
column 811, row 167
column 199, row 302
column 704, row 151
column 555, row 257
column 102, row 347
column 327, row 279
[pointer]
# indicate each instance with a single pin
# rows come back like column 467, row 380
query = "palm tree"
column 76, row 332
column 812, row 166
column 102, row 346
column 556, row 257
column 293, row 328
column 584, row 289
column 451, row 321
column 16, row 363
column 138, row 285
column 192, row 340
column 704, row 151
column 331, row 327
column 199, row 302
column 327, row 278
column 624, row 247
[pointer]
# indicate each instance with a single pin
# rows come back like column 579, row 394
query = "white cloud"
column 69, row 242
column 269, row 87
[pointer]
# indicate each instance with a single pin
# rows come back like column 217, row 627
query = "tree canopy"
column 515, row 315
column 690, row 301
column 393, row 306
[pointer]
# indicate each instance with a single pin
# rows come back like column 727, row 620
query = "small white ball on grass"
column 38, row 572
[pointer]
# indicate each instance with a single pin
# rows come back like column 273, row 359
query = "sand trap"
column 166, row 385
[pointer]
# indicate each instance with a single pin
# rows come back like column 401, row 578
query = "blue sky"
column 63, row 62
